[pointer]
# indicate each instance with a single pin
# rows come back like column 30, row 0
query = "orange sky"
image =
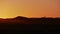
column 29, row 8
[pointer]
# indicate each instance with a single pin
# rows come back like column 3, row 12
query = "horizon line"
column 28, row 17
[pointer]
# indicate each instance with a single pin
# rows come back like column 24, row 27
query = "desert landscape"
column 24, row 24
column 30, row 16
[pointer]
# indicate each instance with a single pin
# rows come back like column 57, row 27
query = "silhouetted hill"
column 25, row 20
column 20, row 17
column 24, row 25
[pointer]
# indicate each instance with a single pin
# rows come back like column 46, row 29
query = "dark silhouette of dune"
column 25, row 20
column 23, row 24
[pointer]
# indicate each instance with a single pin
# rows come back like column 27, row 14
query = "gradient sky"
column 29, row 8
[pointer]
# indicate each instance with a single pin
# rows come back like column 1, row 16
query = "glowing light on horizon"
column 29, row 8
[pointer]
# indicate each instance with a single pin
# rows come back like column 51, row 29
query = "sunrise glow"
column 29, row 8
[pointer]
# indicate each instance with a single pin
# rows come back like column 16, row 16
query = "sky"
column 29, row 8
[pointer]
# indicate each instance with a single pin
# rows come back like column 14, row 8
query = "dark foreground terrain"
column 34, row 28
column 24, row 25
